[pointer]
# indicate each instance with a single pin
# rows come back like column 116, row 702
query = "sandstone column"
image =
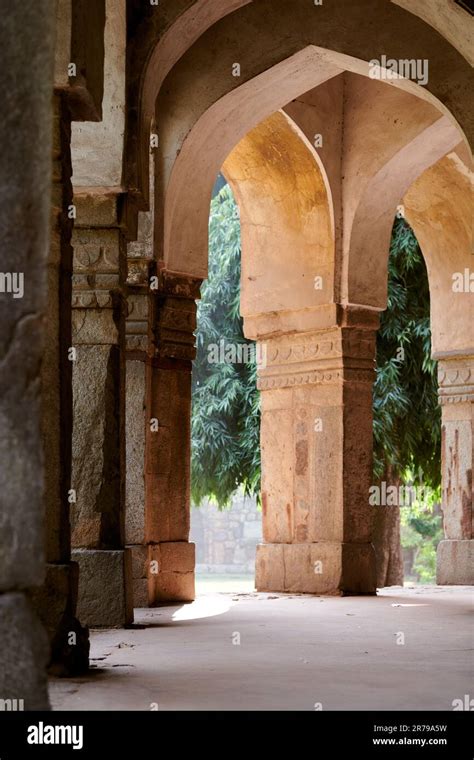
column 56, row 600
column 455, row 556
column 316, row 444
column 26, row 84
column 168, row 439
column 98, row 463
column 136, row 340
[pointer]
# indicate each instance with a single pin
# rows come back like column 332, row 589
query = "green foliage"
column 407, row 426
column 421, row 531
column 226, row 406
column 407, row 419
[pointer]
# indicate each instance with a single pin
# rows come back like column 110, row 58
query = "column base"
column 23, row 655
column 139, row 554
column 55, row 603
column 326, row 567
column 171, row 572
column 105, row 587
column 455, row 562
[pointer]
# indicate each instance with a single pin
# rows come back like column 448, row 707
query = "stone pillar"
column 26, row 82
column 136, row 340
column 98, row 461
column 168, row 439
column 455, row 556
column 316, row 446
column 56, row 600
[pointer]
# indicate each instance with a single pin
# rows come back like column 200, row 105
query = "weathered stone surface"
column 96, row 208
column 270, row 568
column 168, row 394
column 171, row 587
column 140, row 592
column 55, row 602
column 27, row 44
column 316, row 445
column 93, row 326
column 105, row 582
column 98, row 473
column 455, row 562
column 457, row 463
column 139, row 560
column 98, row 148
column 168, row 454
column 137, row 320
column 226, row 541
column 96, row 476
column 97, row 255
column 135, row 453
column 316, row 568
column 177, row 555
column 56, row 369
column 139, row 572
column 80, row 38
column 357, row 459
column 21, row 547
column 455, row 555
column 24, row 653
column 171, row 572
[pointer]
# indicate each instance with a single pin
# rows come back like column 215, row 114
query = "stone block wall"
column 226, row 540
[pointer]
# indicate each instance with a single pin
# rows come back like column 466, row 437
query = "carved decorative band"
column 95, row 281
column 137, row 307
column 138, row 272
column 319, row 350
column 456, row 399
column 315, row 377
column 92, row 299
column 97, row 250
column 456, row 381
column 136, row 343
column 329, row 356
column 181, row 320
column 174, row 326
column 173, row 349
column 178, row 285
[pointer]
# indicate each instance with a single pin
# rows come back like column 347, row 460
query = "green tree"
column 407, row 420
column 407, row 426
column 226, row 406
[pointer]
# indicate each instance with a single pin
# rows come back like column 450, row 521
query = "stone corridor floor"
column 255, row 651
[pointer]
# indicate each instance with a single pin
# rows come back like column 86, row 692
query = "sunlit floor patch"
column 204, row 606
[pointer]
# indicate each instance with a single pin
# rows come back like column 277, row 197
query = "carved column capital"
column 456, row 380
column 138, row 308
column 174, row 315
column 95, row 268
column 322, row 356
column 99, row 260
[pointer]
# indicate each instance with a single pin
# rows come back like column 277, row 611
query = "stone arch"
column 237, row 113
column 287, row 225
column 202, row 113
column 225, row 122
column 151, row 61
column 439, row 208
column 390, row 139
